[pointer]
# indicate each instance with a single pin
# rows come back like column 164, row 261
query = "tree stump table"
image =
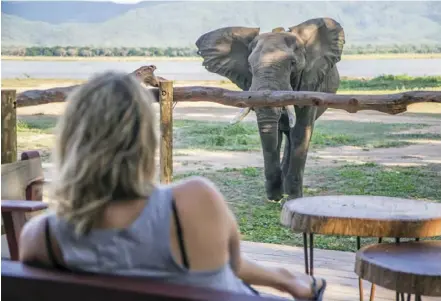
column 360, row 216
column 412, row 268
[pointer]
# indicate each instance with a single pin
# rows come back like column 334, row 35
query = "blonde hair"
column 105, row 148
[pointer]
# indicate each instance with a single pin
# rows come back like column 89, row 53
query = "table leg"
column 305, row 252
column 360, row 281
column 397, row 294
column 417, row 297
column 309, row 264
column 311, row 254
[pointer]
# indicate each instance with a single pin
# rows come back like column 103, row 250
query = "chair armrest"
column 22, row 206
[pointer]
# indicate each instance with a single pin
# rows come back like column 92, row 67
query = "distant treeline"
column 190, row 52
column 99, row 51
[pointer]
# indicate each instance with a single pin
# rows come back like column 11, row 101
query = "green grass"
column 37, row 124
column 372, row 179
column 216, row 135
column 221, row 136
column 411, row 136
column 245, row 137
column 259, row 220
column 191, row 134
column 391, row 82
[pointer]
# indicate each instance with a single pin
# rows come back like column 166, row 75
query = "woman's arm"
column 251, row 272
column 248, row 270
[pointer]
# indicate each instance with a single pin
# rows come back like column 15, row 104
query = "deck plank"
column 336, row 267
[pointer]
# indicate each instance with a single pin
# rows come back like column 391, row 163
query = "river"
column 193, row 70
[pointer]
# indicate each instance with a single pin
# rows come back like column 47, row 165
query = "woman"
column 110, row 217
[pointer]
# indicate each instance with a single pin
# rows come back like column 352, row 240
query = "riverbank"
column 379, row 56
column 378, row 85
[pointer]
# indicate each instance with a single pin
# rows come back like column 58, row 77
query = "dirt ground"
column 422, row 153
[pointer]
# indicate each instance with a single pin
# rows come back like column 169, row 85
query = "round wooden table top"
column 355, row 215
column 408, row 267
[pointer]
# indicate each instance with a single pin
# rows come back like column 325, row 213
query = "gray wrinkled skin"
column 303, row 58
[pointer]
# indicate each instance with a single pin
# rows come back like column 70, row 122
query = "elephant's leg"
column 300, row 137
column 271, row 140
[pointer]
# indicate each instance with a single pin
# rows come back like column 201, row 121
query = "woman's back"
column 144, row 248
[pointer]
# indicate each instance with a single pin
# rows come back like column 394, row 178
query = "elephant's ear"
column 323, row 40
column 225, row 51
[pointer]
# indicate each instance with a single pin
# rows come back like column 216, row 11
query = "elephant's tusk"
column 291, row 115
column 241, row 115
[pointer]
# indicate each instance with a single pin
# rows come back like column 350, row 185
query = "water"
column 193, row 70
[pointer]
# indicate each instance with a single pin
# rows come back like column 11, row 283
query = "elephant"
column 302, row 58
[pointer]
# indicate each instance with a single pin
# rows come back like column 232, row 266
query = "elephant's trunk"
column 268, row 119
column 266, row 81
column 271, row 140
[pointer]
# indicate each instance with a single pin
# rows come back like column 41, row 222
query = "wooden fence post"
column 166, row 126
column 9, row 126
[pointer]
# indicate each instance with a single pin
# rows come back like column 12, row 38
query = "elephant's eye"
column 293, row 62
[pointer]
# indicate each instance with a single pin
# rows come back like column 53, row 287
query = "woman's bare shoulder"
column 198, row 193
column 196, row 185
column 32, row 238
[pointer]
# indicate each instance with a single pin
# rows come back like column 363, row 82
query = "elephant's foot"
column 292, row 190
column 274, row 192
column 284, row 198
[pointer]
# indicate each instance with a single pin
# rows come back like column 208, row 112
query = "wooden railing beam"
column 387, row 103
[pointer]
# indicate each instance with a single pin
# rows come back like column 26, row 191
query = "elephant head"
column 297, row 59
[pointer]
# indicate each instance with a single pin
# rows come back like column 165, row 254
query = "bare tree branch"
column 387, row 103
column 37, row 97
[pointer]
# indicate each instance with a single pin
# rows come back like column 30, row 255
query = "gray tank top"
column 143, row 249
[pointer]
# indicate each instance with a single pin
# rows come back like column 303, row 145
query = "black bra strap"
column 49, row 249
column 180, row 236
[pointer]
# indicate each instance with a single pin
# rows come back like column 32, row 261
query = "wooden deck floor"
column 335, row 266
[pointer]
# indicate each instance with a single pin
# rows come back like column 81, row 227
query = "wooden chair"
column 21, row 180
column 24, row 179
column 25, row 283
